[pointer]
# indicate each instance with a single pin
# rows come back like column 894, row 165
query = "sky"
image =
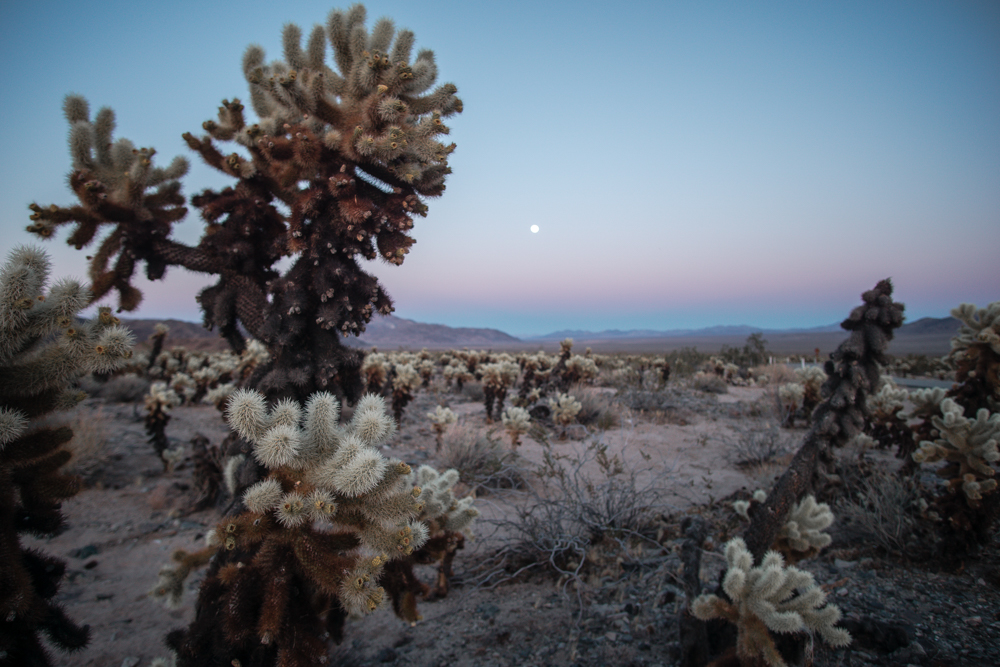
column 688, row 164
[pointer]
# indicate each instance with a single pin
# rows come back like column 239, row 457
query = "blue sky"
column 688, row 164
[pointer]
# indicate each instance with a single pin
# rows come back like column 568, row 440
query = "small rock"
column 913, row 653
column 130, row 661
column 488, row 611
column 85, row 552
column 386, row 655
column 974, row 621
column 844, row 564
column 611, row 636
column 842, row 592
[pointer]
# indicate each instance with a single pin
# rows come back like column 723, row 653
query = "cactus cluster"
column 802, row 534
column 441, row 418
column 44, row 349
column 516, row 421
column 332, row 517
column 769, row 597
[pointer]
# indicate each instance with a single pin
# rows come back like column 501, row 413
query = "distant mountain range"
column 392, row 332
column 719, row 330
column 925, row 325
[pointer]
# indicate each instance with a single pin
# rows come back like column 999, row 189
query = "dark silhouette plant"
column 335, row 168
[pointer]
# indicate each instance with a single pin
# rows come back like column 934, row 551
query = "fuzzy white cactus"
column 801, row 536
column 969, row 446
column 926, row 403
column 516, row 421
column 980, row 325
column 889, row 399
column 441, row 418
column 440, row 507
column 565, row 408
column 344, row 475
column 803, row 530
column 769, row 598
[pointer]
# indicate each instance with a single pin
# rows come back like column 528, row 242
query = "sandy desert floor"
column 623, row 606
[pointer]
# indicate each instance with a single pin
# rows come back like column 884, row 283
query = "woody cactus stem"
column 351, row 153
column 43, row 350
column 853, row 374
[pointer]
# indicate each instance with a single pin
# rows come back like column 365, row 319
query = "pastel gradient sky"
column 688, row 163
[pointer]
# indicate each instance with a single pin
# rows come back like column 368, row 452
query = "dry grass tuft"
column 597, row 407
column 483, row 461
column 881, row 508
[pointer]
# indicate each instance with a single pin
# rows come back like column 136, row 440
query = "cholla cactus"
column 976, row 351
column 405, row 381
column 328, row 518
column 497, row 378
column 169, row 587
column 742, row 507
column 801, row 536
column 441, row 418
column 565, row 408
column 580, row 369
column 426, row 369
column 886, row 425
column 447, row 520
column 375, row 371
column 968, row 446
column 791, row 396
column 769, row 598
column 516, row 421
column 441, row 510
column 44, row 348
column 811, row 378
column 458, row 371
column 158, row 402
column 159, row 334
column 351, row 147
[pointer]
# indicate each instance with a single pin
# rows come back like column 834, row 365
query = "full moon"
column 534, row 229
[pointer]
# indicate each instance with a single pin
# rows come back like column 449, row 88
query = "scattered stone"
column 86, row 552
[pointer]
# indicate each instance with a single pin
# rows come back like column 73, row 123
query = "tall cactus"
column 349, row 151
column 44, row 348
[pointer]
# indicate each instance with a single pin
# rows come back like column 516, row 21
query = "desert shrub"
column 597, row 408
column 685, row 361
column 772, row 374
column 482, row 460
column 578, row 501
column 881, row 508
column 709, row 383
column 121, row 389
column 473, row 391
column 754, row 443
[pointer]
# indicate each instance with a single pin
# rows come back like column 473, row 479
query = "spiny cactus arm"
column 968, row 446
column 769, row 597
column 117, row 186
column 802, row 531
column 13, row 423
column 853, row 373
